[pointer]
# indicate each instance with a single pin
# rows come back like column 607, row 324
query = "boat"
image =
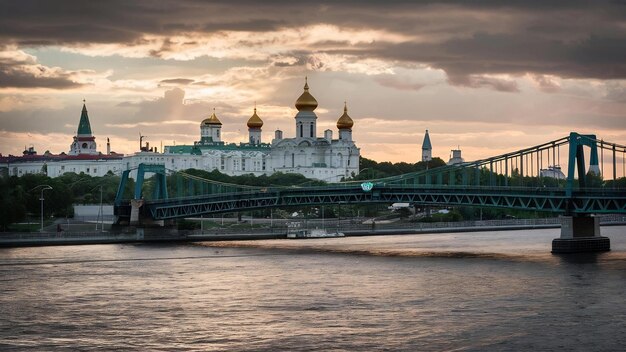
column 314, row 233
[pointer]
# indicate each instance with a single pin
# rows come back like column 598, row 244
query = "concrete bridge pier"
column 134, row 212
column 580, row 234
column 136, row 218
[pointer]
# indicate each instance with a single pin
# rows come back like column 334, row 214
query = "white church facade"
column 317, row 157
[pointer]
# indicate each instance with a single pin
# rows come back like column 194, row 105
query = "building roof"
column 345, row 122
column 197, row 149
column 211, row 120
column 84, row 127
column 255, row 121
column 58, row 157
column 306, row 102
column 426, row 144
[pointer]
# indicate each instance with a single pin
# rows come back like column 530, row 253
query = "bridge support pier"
column 580, row 234
column 134, row 212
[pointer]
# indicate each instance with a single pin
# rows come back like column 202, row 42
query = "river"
column 496, row 291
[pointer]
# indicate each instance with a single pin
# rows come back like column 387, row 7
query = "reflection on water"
column 471, row 291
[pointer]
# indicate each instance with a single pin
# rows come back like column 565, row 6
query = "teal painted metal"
column 120, row 189
column 160, row 187
column 577, row 159
column 511, row 180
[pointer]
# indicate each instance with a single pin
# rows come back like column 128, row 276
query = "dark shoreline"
column 111, row 238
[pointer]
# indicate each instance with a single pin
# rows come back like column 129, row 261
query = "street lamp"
column 44, row 188
column 367, row 168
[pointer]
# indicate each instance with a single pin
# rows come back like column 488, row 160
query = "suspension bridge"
column 594, row 182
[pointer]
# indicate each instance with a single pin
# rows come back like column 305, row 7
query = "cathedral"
column 317, row 157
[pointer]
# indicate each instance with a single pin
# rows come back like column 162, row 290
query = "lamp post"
column 44, row 188
column 367, row 168
column 100, row 213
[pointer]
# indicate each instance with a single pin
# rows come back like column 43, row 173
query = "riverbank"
column 170, row 235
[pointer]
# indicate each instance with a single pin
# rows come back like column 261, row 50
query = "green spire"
column 426, row 144
column 84, row 128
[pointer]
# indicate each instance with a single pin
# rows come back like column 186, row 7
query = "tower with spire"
column 306, row 120
column 254, row 128
column 84, row 141
column 427, row 148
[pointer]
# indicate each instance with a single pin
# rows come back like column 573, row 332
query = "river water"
column 496, row 291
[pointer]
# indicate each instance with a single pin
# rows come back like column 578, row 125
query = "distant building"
column 322, row 158
column 83, row 156
column 427, row 148
column 455, row 157
column 553, row 172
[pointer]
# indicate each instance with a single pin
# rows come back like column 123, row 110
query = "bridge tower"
column 580, row 232
column 134, row 215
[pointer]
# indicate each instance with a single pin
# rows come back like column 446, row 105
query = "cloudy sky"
column 481, row 75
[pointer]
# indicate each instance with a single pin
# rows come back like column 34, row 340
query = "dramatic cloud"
column 20, row 70
column 562, row 38
column 178, row 81
column 467, row 71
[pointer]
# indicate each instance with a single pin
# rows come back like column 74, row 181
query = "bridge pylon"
column 580, row 234
column 133, row 214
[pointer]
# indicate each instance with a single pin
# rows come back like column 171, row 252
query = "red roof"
column 58, row 157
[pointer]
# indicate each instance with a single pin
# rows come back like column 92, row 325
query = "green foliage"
column 371, row 169
column 276, row 179
column 619, row 183
column 183, row 224
column 12, row 202
column 452, row 216
column 20, row 196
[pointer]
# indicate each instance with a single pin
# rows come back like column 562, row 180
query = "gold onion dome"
column 255, row 121
column 345, row 122
column 306, row 102
column 211, row 120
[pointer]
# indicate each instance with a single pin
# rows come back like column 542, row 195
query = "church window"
column 311, row 130
column 301, row 130
column 85, row 145
column 293, row 160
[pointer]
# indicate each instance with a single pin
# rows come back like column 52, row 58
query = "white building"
column 455, row 157
column 322, row 158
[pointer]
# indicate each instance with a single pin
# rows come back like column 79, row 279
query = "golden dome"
column 345, row 122
column 306, row 102
column 212, row 120
column 255, row 121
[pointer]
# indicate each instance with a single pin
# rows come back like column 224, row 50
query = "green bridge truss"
column 514, row 180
